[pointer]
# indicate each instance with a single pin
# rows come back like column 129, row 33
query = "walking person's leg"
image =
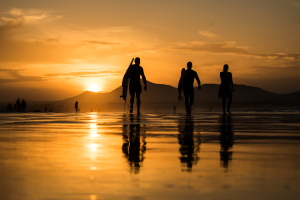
column 186, row 100
column 224, row 103
column 191, row 100
column 229, row 103
column 132, row 94
column 138, row 102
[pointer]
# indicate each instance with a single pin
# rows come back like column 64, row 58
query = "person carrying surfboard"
column 132, row 75
column 186, row 83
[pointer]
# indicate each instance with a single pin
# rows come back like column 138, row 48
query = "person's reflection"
column 132, row 148
column 188, row 148
column 226, row 139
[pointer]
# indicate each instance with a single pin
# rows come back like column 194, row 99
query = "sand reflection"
column 93, row 130
column 66, row 158
column 133, row 148
column 189, row 148
column 93, row 146
column 226, row 139
column 93, row 143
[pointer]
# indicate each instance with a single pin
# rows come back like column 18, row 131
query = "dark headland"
column 160, row 97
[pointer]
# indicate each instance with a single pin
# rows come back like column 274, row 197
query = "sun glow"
column 94, row 88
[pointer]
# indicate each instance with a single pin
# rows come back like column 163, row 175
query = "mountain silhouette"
column 164, row 97
column 160, row 93
column 156, row 93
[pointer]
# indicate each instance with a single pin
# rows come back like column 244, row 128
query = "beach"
column 92, row 156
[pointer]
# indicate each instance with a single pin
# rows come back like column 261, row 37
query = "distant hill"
column 291, row 96
column 159, row 93
column 164, row 97
column 155, row 93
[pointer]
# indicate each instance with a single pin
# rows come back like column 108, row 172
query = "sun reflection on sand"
column 93, row 130
column 93, row 117
column 93, row 168
column 93, row 147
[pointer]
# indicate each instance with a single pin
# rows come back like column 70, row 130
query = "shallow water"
column 152, row 156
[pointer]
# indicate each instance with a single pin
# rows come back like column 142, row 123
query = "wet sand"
column 96, row 156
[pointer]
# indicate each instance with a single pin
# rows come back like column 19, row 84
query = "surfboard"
column 126, row 81
column 180, row 85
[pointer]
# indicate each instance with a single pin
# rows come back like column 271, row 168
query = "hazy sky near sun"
column 66, row 46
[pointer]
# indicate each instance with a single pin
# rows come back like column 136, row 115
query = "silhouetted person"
column 188, row 87
column 188, row 148
column 135, row 87
column 76, row 106
column 23, row 105
column 9, row 107
column 132, row 147
column 18, row 104
column 226, row 88
column 226, row 139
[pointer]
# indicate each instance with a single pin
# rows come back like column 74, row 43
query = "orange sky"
column 64, row 47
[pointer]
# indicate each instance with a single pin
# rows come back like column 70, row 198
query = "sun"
column 94, row 88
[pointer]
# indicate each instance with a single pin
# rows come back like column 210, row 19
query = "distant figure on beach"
column 226, row 88
column 186, row 83
column 9, row 107
column 76, row 106
column 18, row 104
column 135, row 88
column 23, row 105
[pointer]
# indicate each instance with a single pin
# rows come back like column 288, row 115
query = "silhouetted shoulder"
column 135, row 68
column 141, row 70
column 223, row 74
column 138, row 68
column 194, row 73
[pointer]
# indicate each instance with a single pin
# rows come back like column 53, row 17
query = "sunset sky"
column 66, row 47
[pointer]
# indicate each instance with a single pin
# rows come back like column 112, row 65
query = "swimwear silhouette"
column 225, row 90
column 187, row 83
column 135, row 88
